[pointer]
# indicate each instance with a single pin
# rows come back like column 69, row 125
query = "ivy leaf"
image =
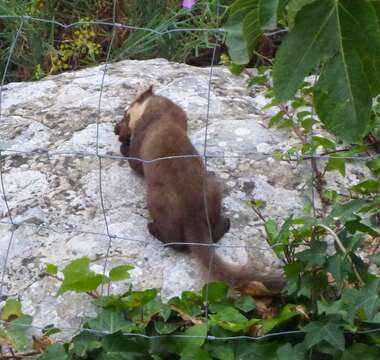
column 55, row 352
column 337, row 265
column 315, row 256
column 287, row 312
column 84, row 343
column 287, row 352
column 231, row 319
column 221, row 351
column 198, row 354
column 365, row 299
column 361, row 351
column 110, row 321
column 120, row 273
column 214, row 291
column 79, row 278
column 345, row 212
column 318, row 331
column 11, row 310
column 164, row 328
column 245, row 303
column 18, row 332
column 120, row 347
column 190, row 344
column 138, row 299
column 256, row 351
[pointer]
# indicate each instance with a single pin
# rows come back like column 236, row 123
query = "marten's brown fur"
column 154, row 127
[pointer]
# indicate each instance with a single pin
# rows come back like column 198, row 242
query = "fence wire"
column 5, row 152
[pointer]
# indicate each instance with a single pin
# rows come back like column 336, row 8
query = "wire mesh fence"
column 56, row 228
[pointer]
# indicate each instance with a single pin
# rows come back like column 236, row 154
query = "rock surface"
column 54, row 197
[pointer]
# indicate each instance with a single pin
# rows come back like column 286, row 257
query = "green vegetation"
column 330, row 308
column 45, row 48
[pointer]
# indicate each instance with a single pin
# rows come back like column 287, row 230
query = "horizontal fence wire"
column 6, row 152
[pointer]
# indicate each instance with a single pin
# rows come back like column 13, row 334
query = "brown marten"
column 154, row 127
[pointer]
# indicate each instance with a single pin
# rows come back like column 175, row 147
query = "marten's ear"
column 146, row 94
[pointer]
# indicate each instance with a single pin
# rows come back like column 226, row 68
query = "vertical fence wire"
column 101, row 194
column 5, row 198
column 205, row 143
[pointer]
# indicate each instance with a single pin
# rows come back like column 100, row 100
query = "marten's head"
column 124, row 128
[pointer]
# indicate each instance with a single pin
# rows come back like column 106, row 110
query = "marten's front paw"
column 124, row 149
column 117, row 129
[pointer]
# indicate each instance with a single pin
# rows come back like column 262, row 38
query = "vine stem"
column 343, row 249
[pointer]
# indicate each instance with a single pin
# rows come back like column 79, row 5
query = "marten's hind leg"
column 164, row 227
column 219, row 224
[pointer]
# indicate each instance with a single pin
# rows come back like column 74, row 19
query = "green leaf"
column 287, row 312
column 55, row 352
column 337, row 164
column 336, row 265
column 312, row 39
column 257, row 351
column 231, row 319
column 317, row 331
column 357, row 226
column 79, row 278
column 268, row 13
column 120, row 347
column 110, row 321
column 361, row 351
column 85, row 343
column 324, row 142
column 315, row 256
column 375, row 259
column 198, row 354
column 120, row 273
column 342, row 96
column 245, row 303
column 365, row 299
column 51, row 269
column 287, row 352
column 11, row 309
column 242, row 30
column 139, row 298
column 293, row 8
column 18, row 332
column 164, row 328
column 374, row 165
column 50, row 329
column 186, row 345
column 271, row 229
column 345, row 212
column 221, row 351
column 214, row 291
column 367, row 186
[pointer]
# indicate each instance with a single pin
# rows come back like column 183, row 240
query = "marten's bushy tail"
column 234, row 275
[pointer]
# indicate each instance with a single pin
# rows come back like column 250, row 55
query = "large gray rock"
column 55, row 199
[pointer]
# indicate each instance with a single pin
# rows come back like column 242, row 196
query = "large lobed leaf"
column 343, row 36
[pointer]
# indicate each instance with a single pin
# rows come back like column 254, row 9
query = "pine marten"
column 154, row 127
